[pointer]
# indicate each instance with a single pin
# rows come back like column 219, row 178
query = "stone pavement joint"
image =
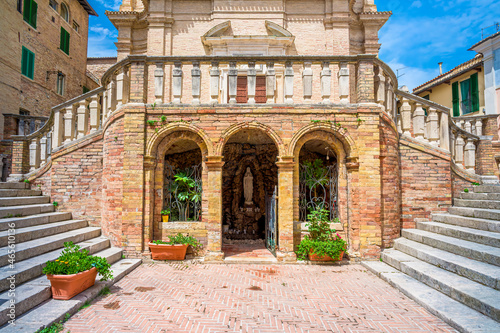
column 253, row 298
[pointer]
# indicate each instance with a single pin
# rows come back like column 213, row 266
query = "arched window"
column 65, row 12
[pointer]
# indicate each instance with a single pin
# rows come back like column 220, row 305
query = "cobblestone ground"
column 253, row 298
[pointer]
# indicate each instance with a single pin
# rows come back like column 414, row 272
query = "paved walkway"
column 253, row 298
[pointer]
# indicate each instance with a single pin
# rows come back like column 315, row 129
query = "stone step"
column 468, row 222
column 31, row 268
column 26, row 210
column 407, row 250
column 485, row 253
column 42, row 245
column 26, row 234
column 454, row 313
column 489, row 214
column 19, row 193
column 33, row 220
column 480, row 196
column 15, row 186
column 486, row 204
column 34, row 292
column 487, row 189
column 469, row 234
column 18, row 201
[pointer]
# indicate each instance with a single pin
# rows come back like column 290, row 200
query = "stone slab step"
column 31, row 268
column 407, row 250
column 42, row 245
column 461, row 247
column 16, row 186
column 454, row 313
column 26, row 210
column 480, row 196
column 18, row 201
column 30, row 294
column 19, row 193
column 33, row 220
column 489, row 214
column 39, row 231
column 468, row 222
column 487, row 204
column 487, row 189
column 53, row 311
column 469, row 234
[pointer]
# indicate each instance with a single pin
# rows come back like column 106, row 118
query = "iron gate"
column 271, row 222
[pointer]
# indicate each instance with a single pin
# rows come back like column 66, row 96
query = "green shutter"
column 456, row 99
column 27, row 10
column 31, row 65
column 67, row 43
column 64, row 42
column 28, row 63
column 34, row 9
column 24, row 62
column 474, row 92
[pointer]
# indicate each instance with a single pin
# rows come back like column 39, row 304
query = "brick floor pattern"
column 253, row 298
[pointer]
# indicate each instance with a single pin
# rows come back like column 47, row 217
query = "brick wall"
column 98, row 66
column 486, row 151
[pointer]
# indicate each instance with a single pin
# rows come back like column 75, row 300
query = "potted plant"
column 74, row 271
column 322, row 243
column 165, row 214
column 174, row 249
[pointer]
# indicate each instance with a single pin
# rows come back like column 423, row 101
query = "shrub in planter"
column 74, row 271
column 165, row 214
column 322, row 243
column 175, row 248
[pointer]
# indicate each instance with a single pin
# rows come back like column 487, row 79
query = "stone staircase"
column 31, row 222
column 450, row 265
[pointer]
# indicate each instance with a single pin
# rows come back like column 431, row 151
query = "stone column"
column 289, row 82
column 270, row 82
column 326, row 83
column 444, row 132
column 470, row 155
column 159, row 83
column 69, row 125
column 196, row 82
column 232, row 77
column 43, row 149
column 214, row 82
column 285, row 209
column 83, row 119
column 177, row 83
column 58, row 130
column 307, row 76
column 406, row 117
column 214, row 221
column 468, row 126
column 34, row 154
column 419, row 122
column 459, row 150
column 343, row 77
column 95, row 113
column 149, row 171
column 433, row 127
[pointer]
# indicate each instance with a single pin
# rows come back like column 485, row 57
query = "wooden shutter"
column 34, row 9
column 260, row 90
column 67, row 43
column 31, row 65
column 28, row 63
column 27, row 11
column 242, row 90
column 24, row 62
column 474, row 92
column 456, row 99
column 64, row 42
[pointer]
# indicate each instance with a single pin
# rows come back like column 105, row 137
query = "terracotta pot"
column 66, row 286
column 168, row 252
column 315, row 257
column 164, row 218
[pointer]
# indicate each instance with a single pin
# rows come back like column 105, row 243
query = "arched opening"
column 64, row 12
column 182, row 181
column 318, row 179
column 249, row 181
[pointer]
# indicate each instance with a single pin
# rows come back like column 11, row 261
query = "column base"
column 214, row 256
column 286, row 256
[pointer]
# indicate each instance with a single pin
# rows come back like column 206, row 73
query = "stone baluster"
column 343, row 77
column 419, row 122
column 126, row 85
column 406, row 117
column 479, row 127
column 49, row 144
column 452, row 144
column 459, row 150
column 95, row 113
column 104, row 104
column 83, row 119
column 232, row 77
column 69, row 124
column 196, row 83
column 326, row 83
column 43, row 149
column 119, row 89
column 380, row 84
column 470, row 155
column 112, row 96
column 427, row 127
column 177, row 82
column 159, row 74
column 58, row 128
column 214, row 82
column 289, row 74
column 270, row 82
column 34, row 154
column 444, row 131
column 460, row 123
column 433, row 127
column 468, row 126
column 398, row 124
column 307, row 77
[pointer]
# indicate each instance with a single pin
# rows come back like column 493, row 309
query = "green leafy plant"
column 322, row 240
column 163, row 119
column 74, row 260
column 55, row 203
column 151, row 122
column 165, row 212
column 181, row 239
column 476, row 184
column 185, row 187
column 466, row 190
column 26, row 181
column 316, row 174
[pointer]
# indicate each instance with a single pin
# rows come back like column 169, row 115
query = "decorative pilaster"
column 307, row 76
column 343, row 77
column 214, row 221
column 196, row 82
column 285, row 205
column 326, row 83
column 289, row 82
column 159, row 74
column 177, row 83
column 232, row 77
column 214, row 83
column 270, row 82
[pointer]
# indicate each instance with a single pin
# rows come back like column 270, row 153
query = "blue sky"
column 419, row 34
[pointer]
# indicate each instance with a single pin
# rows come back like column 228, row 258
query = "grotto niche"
column 252, row 153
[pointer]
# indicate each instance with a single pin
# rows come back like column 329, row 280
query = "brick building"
column 42, row 61
column 232, row 93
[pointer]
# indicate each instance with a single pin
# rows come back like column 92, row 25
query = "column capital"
column 149, row 162
column 214, row 162
column 286, row 163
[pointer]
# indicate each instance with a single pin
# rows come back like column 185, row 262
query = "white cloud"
column 110, row 4
column 416, row 4
column 101, row 42
column 412, row 77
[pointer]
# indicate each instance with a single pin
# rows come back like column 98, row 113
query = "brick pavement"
column 253, row 298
